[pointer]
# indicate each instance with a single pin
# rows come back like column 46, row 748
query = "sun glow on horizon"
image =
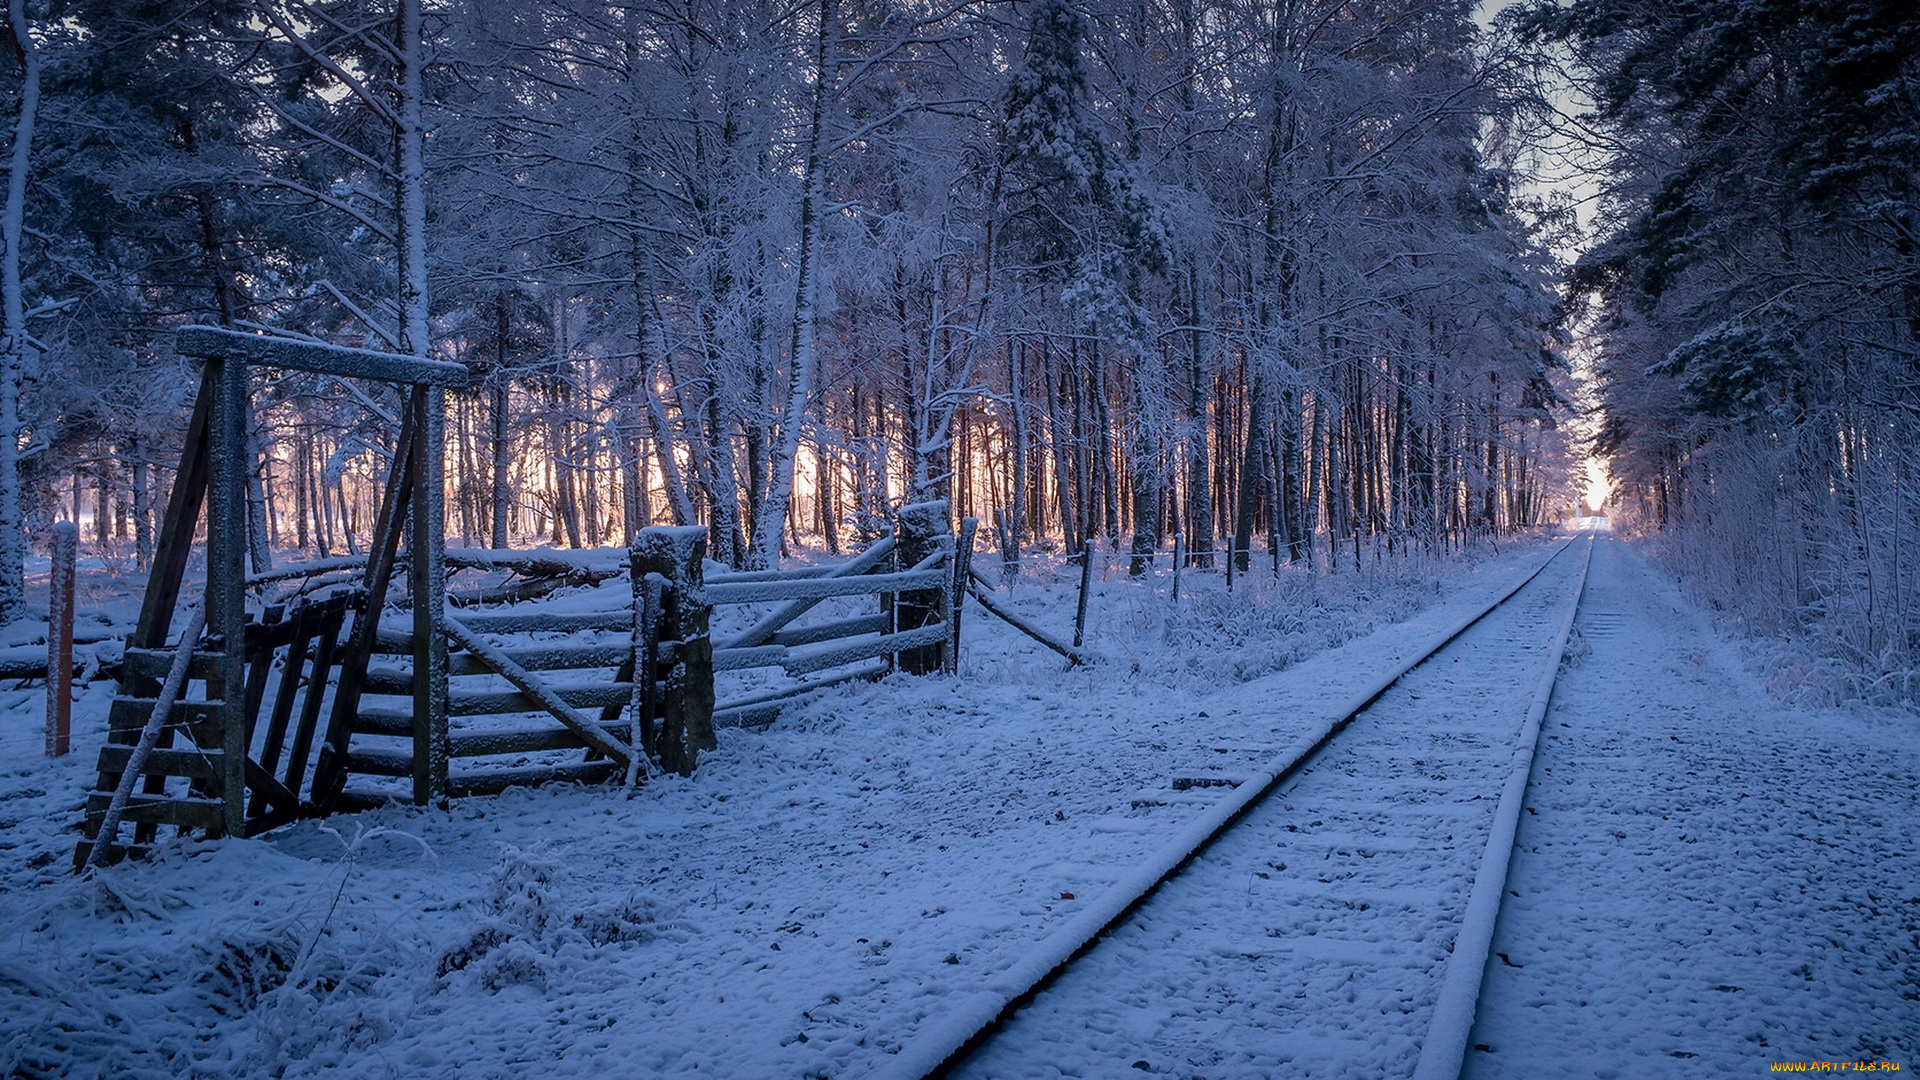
column 1599, row 487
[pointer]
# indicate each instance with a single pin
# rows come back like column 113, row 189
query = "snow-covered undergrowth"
column 1826, row 647
column 814, row 893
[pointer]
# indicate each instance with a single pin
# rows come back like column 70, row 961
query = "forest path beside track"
column 1707, row 881
column 1311, row 940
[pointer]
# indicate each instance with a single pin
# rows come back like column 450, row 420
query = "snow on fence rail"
column 578, row 668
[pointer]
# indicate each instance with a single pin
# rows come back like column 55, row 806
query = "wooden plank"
column 821, row 588
column 957, row 594
column 308, row 726
column 229, row 462
column 329, row 772
column 472, row 744
column 185, row 812
column 736, row 713
column 175, row 542
column 192, row 764
column 797, row 574
column 762, row 632
column 827, row 631
column 539, row 691
column 835, row 654
column 740, row 659
column 556, row 657
column 513, row 622
column 427, row 584
column 493, row 783
column 370, row 761
column 576, row 696
column 305, row 620
column 213, row 343
column 377, row 721
column 187, row 714
column 152, row 664
column 270, row 790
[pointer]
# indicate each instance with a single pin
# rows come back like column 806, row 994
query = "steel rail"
column 941, row 1046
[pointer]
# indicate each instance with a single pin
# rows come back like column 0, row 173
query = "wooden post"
column 649, row 592
column 66, row 539
column 226, row 586
column 1086, row 581
column 427, row 581
column 676, row 554
column 922, row 533
column 962, row 570
column 1179, row 557
column 329, row 772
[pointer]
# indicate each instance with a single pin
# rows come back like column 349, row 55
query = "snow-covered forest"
column 778, row 767
column 1123, row 270
column 1755, row 290
column 1279, row 277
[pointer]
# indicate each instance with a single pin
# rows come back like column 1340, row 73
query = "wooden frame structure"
column 206, row 761
column 227, row 792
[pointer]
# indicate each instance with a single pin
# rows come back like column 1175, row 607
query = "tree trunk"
column 802, row 358
column 13, row 331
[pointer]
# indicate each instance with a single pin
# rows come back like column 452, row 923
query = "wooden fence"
column 552, row 695
column 330, row 695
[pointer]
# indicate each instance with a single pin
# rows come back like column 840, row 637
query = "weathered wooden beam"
column 762, row 708
column 329, row 772
column 586, row 727
column 957, row 593
column 827, row 631
column 929, row 581
column 226, row 610
column 213, row 343
column 685, row 725
column 923, row 534
column 834, row 654
column 1074, row 656
column 762, row 632
column 503, row 702
column 427, row 587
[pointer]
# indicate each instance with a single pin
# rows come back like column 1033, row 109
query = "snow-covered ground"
column 823, row 890
column 1707, row 881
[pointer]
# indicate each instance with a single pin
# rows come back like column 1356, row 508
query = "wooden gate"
column 195, row 751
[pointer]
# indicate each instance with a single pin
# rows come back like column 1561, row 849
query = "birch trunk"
column 411, row 140
column 13, row 333
column 771, row 513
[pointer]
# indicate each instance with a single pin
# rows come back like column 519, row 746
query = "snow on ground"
column 818, row 893
column 1312, row 939
column 1707, row 881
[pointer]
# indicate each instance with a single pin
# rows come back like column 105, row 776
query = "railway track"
column 1330, row 916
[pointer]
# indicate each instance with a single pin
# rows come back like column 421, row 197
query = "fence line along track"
column 946, row 1042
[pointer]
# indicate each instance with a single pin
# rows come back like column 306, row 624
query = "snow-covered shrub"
column 527, row 926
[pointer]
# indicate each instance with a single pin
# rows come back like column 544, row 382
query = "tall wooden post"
column 676, row 554
column 66, row 536
column 922, row 534
column 427, row 582
column 227, row 583
column 957, row 592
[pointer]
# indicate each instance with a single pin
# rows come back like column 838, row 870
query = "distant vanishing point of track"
column 1330, row 917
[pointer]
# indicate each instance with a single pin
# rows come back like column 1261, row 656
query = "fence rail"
column 642, row 677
